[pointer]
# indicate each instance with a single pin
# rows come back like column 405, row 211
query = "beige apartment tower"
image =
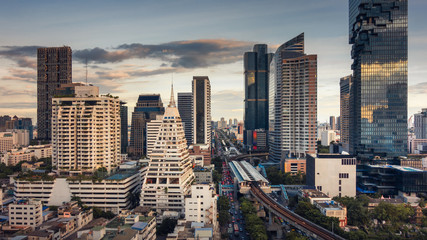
column 85, row 131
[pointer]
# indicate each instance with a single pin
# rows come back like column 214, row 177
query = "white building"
column 85, row 131
column 41, row 151
column 201, row 206
column 332, row 174
column 26, row 213
column 14, row 138
column 109, row 194
column 152, row 131
column 327, row 137
column 14, row 156
column 169, row 173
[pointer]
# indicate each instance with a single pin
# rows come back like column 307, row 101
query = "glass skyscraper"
column 378, row 113
column 256, row 66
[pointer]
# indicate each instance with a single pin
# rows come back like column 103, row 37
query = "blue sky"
column 207, row 37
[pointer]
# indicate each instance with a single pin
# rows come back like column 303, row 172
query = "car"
column 241, row 229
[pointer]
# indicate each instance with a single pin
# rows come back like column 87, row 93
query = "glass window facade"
column 378, row 108
column 256, row 67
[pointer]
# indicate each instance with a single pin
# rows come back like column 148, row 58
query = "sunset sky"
column 135, row 47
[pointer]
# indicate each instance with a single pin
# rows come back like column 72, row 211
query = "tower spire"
column 172, row 101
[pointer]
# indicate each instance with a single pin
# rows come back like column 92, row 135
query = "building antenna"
column 86, row 70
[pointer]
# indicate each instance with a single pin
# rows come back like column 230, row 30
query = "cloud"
column 420, row 88
column 11, row 92
column 228, row 97
column 185, row 54
column 129, row 74
column 16, row 74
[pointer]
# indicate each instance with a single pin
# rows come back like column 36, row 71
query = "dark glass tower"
column 256, row 64
column 379, row 35
column 53, row 69
column 147, row 108
column 124, row 127
column 201, row 90
column 185, row 108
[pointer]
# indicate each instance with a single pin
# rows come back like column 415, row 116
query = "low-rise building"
column 41, row 151
column 313, row 195
column 374, row 202
column 72, row 210
column 333, row 209
column 293, row 165
column 15, row 156
column 201, row 205
column 109, row 194
column 333, row 174
column 203, row 175
column 26, row 213
column 201, row 149
column 389, row 180
column 187, row 230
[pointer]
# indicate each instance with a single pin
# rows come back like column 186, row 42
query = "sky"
column 135, row 47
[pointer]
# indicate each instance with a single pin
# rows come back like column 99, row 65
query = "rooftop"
column 397, row 167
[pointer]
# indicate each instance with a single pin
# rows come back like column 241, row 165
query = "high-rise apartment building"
column 420, row 124
column 345, row 86
column 124, row 127
column 378, row 31
column 53, row 69
column 202, row 131
column 185, row 108
column 3, row 120
column 85, row 131
column 169, row 175
column 147, row 108
column 256, row 71
column 292, row 101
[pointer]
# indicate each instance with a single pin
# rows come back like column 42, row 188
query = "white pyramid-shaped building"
column 169, row 174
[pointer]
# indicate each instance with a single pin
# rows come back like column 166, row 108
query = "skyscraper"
column 85, row 131
column 345, row 86
column 185, row 108
column 256, row 67
column 202, row 131
column 292, row 101
column 147, row 107
column 420, row 124
column 338, row 123
column 53, row 69
column 124, row 126
column 378, row 31
column 332, row 122
column 169, row 174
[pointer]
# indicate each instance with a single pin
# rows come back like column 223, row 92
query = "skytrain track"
column 304, row 223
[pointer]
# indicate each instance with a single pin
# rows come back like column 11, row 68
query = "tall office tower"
column 379, row 34
column 53, row 69
column 185, row 108
column 332, row 123
column 345, row 89
column 420, row 124
column 124, row 127
column 147, row 108
column 201, row 110
column 292, row 101
column 230, row 122
column 256, row 67
column 235, row 122
column 85, row 131
column 338, row 123
column 169, row 174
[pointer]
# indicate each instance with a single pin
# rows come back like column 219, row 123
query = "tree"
column 224, row 217
column 223, row 203
column 98, row 213
column 167, row 226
